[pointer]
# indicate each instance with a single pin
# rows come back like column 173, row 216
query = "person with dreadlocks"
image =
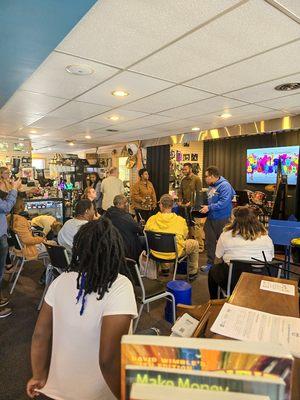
column 76, row 351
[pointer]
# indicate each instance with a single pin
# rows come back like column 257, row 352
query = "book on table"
column 161, row 367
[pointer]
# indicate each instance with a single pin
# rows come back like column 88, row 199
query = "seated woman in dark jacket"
column 126, row 225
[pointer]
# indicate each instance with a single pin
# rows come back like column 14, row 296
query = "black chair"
column 163, row 243
column 18, row 256
column 59, row 262
column 147, row 290
column 237, row 267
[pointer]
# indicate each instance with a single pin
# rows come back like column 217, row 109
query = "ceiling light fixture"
column 114, row 117
column 70, row 142
column 225, row 115
column 195, row 129
column 79, row 69
column 33, row 131
column 120, row 93
column 49, row 148
column 88, row 136
column 285, row 87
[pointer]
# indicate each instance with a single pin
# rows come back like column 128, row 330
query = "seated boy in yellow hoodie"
column 166, row 221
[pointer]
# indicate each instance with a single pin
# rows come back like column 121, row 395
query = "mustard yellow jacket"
column 169, row 223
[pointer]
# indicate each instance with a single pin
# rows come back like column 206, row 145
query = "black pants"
column 213, row 229
column 217, row 276
column 145, row 214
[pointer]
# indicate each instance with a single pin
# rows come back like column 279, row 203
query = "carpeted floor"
column 16, row 330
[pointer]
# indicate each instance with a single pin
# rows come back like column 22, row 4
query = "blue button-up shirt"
column 5, row 207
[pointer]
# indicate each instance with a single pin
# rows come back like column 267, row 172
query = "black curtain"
column 230, row 155
column 158, row 160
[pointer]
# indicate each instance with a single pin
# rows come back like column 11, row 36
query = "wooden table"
column 247, row 293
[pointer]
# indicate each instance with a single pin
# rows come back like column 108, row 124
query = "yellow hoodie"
column 168, row 223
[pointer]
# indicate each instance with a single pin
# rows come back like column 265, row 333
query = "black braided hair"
column 98, row 257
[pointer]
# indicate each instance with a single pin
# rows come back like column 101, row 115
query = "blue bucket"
column 182, row 292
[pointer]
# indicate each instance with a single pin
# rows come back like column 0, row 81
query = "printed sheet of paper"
column 255, row 326
column 277, row 287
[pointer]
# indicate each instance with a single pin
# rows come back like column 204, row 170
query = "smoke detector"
column 79, row 69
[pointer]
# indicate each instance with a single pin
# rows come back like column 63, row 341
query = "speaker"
column 16, row 166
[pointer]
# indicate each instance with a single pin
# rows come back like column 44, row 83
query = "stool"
column 182, row 292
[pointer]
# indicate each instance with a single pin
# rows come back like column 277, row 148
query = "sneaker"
column 206, row 268
column 3, row 301
column 5, row 312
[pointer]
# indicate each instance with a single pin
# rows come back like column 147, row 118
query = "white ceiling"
column 183, row 63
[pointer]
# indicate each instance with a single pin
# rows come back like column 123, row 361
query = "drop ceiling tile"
column 287, row 103
column 169, row 98
column 51, row 123
column 234, row 36
column 32, row 103
column 51, row 77
column 186, row 123
column 292, row 6
column 86, row 126
column 264, row 91
column 142, row 122
column 122, row 32
column 253, row 71
column 215, row 104
column 135, row 84
column 78, row 110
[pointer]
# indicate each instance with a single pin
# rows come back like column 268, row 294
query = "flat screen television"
column 262, row 164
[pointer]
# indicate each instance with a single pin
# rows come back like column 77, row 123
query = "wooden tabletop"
column 247, row 293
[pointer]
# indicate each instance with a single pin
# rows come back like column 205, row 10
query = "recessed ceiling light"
column 33, row 131
column 79, row 69
column 49, row 148
column 113, row 118
column 120, row 93
column 288, row 86
column 88, row 136
column 21, row 139
column 70, row 142
column 195, row 129
column 225, row 115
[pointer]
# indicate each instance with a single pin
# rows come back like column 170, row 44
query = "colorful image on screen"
column 262, row 164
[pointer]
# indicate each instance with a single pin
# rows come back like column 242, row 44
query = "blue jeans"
column 3, row 254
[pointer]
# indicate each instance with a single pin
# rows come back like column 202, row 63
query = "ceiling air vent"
column 288, row 86
column 112, row 130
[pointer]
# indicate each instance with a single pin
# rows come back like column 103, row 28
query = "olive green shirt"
column 190, row 189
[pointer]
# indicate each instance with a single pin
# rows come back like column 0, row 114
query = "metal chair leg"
column 17, row 277
column 173, row 306
column 148, row 307
column 14, row 270
column 138, row 317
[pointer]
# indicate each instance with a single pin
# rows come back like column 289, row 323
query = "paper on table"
column 277, row 287
column 256, row 326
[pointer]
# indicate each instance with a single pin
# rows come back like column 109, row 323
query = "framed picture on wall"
column 186, row 157
column 194, row 157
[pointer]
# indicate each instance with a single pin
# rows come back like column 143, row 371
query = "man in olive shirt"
column 189, row 196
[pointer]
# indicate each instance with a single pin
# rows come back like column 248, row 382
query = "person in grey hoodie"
column 220, row 194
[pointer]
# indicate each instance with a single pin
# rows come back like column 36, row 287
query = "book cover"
column 209, row 365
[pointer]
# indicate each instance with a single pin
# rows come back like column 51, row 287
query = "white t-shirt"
column 237, row 248
column 68, row 231
column 110, row 187
column 74, row 369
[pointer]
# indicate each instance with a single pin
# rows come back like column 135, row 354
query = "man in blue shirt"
column 220, row 194
column 5, row 207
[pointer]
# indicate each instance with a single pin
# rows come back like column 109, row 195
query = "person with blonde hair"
column 244, row 238
column 110, row 188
